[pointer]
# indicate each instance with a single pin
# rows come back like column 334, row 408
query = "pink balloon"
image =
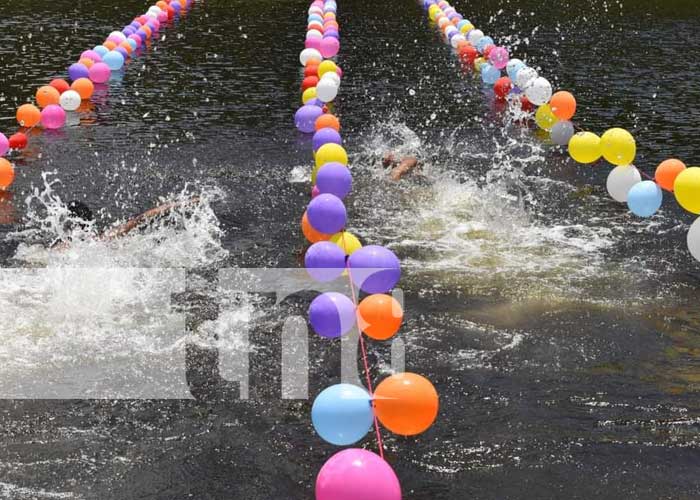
column 339, row 71
column 137, row 39
column 92, row 55
column 315, row 192
column 4, row 144
column 329, row 46
column 313, row 43
column 499, row 57
column 162, row 17
column 356, row 474
column 53, row 116
column 115, row 39
column 100, row 72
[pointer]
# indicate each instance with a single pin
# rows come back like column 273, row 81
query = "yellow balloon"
column 466, row 27
column 478, row 62
column 326, row 66
column 331, row 153
column 544, row 117
column 348, row 242
column 308, row 94
column 434, row 12
column 687, row 189
column 584, row 147
column 618, row 146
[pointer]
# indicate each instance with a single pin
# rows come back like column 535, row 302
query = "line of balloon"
column 522, row 85
column 343, row 414
column 94, row 67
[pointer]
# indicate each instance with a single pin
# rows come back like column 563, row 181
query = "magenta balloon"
column 329, row 46
column 315, row 192
column 499, row 57
column 53, row 116
column 100, row 72
column 339, row 71
column 163, row 17
column 115, row 39
column 356, row 474
column 313, row 43
column 5, row 145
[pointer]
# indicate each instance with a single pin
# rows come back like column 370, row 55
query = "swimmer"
column 399, row 168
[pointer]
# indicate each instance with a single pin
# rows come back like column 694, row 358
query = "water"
column 561, row 333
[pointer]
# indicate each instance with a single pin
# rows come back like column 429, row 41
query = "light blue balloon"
column 489, row 73
column 645, row 198
column 101, row 49
column 316, row 17
column 114, row 60
column 512, row 69
column 342, row 414
column 133, row 43
column 484, row 42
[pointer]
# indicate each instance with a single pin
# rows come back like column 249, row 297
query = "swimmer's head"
column 79, row 210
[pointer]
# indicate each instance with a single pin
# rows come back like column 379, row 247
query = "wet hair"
column 80, row 210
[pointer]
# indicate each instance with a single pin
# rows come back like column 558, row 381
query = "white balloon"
column 621, row 179
column 694, row 239
column 474, row 36
column 449, row 30
column 70, row 100
column 332, row 76
column 155, row 8
column 314, row 34
column 525, row 76
column 119, row 35
column 456, row 39
column 562, row 132
column 307, row 54
column 326, row 90
column 538, row 91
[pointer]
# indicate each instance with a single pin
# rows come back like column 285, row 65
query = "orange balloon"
column 380, row 316
column 110, row 45
column 86, row 62
column 28, row 115
column 162, row 4
column 147, row 30
column 310, row 233
column 7, row 174
column 183, row 4
column 563, row 105
column 84, row 87
column 126, row 46
column 667, row 171
column 406, row 403
column 327, row 121
column 47, row 95
column 313, row 62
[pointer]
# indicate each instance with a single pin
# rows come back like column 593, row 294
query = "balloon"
column 326, row 90
column 499, row 57
column 313, row 43
column 379, row 316
column 311, row 70
column 538, row 91
column 544, row 117
column 118, row 34
column 374, row 269
column 332, row 76
column 687, row 189
column 308, row 54
column 348, row 242
column 114, row 60
column 100, row 72
column 309, row 82
column 47, row 95
column 327, row 213
column 489, row 74
column 70, row 100
column 91, row 54
column 502, row 87
column 101, row 50
column 584, row 147
column 513, row 66
column 620, row 180
column 563, row 105
column 334, row 178
column 694, row 239
column 406, row 403
column 618, row 146
column 457, row 39
column 329, row 47
column 311, row 235
column 327, row 121
column 525, row 76
column 53, row 117
column 7, row 174
column 326, row 67
column 84, row 87
column 77, row 70
column 18, row 141
column 331, row 153
column 324, row 261
column 645, row 198
column 468, row 54
column 4, row 144
column 308, row 94
column 357, row 474
column 86, row 62
column 562, row 132
column 342, row 414
column 474, row 36
column 667, row 171
column 484, row 42
column 28, row 115
column 305, row 118
column 314, row 34
column 332, row 314
column 59, row 84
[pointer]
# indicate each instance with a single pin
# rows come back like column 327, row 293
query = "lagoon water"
column 562, row 334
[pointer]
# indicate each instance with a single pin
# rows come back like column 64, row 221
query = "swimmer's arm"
column 139, row 220
column 407, row 165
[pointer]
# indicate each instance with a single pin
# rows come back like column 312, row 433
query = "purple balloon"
column 332, row 314
column 327, row 214
column 334, row 178
column 324, row 261
column 142, row 34
column 176, row 6
column 315, row 102
column 331, row 32
column 326, row 136
column 305, row 118
column 77, row 70
column 128, row 30
column 374, row 269
column 123, row 52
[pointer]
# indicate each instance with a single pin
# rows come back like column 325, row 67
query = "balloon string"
column 363, row 349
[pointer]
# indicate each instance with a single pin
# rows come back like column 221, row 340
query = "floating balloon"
column 70, row 100
column 342, row 414
column 7, row 174
column 327, row 121
column 47, row 95
column 308, row 54
column 457, row 39
column 326, row 67
column 114, row 60
column 28, row 115
column 309, row 82
column 514, row 65
column 84, row 87
column 687, row 189
column 562, row 132
column 313, row 43
column 618, row 146
column 694, row 239
column 499, row 57
column 620, row 180
column 538, row 91
column 489, row 74
column 101, row 50
column 324, row 261
column 357, row 474
column 326, row 90
column 77, row 70
column 525, row 76
column 53, row 117
column 332, row 76
column 311, row 235
column 374, row 269
column 18, row 141
column 4, row 144
column 305, row 118
column 484, row 41
column 100, row 72
column 584, row 147
column 86, row 62
column 331, row 153
column 502, row 87
column 667, row 171
column 332, row 314
column 329, row 47
column 327, row 213
column 308, row 94
column 645, row 198
column 348, row 242
column 59, row 84
column 335, row 179
column 474, row 36
column 563, row 105
column 379, row 316
column 544, row 117
column 406, row 403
